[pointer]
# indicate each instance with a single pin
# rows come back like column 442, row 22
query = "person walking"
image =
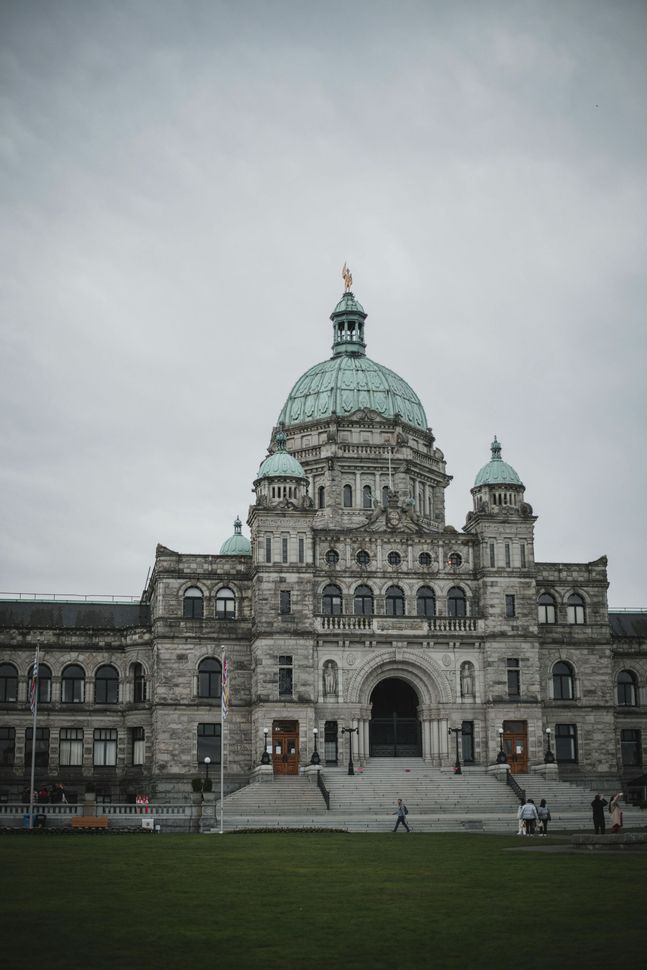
column 529, row 816
column 597, row 805
column 402, row 811
column 544, row 817
column 615, row 812
column 521, row 828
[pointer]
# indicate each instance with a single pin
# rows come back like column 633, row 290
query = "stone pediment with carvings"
column 393, row 520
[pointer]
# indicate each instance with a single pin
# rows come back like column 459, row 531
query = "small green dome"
column 497, row 471
column 280, row 464
column 238, row 544
column 348, row 304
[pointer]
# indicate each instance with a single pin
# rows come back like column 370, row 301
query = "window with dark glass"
column 44, row 684
column 193, row 604
column 106, row 685
column 510, row 607
column 302, row 549
column 70, row 747
column 285, row 601
column 492, row 555
column 363, row 558
column 514, row 677
column 456, row 602
column 394, row 601
column 546, row 612
column 455, row 560
column 321, row 497
column 268, row 549
column 394, row 559
column 42, row 746
column 385, row 495
column 8, row 684
column 563, row 681
column 332, row 557
column 331, row 601
column 105, row 747
column 631, row 747
column 7, row 746
column 73, row 685
column 367, row 497
column 284, row 548
column 576, row 609
column 137, row 745
column 468, row 742
column 330, row 742
column 225, row 604
column 566, row 742
column 426, row 601
column 522, row 550
column 208, row 743
column 139, row 684
column 348, row 497
column 285, row 676
column 424, row 559
column 363, row 601
column 627, row 691
column 209, row 678
column 508, row 560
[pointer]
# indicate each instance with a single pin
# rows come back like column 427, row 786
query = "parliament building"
column 352, row 605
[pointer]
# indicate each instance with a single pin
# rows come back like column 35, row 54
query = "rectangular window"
column 105, row 747
column 631, row 748
column 285, row 601
column 523, row 555
column 514, row 677
column 137, row 745
column 468, row 742
column 7, row 746
column 42, row 747
column 268, row 548
column 492, row 555
column 70, row 746
column 302, row 549
column 510, row 605
column 330, row 742
column 566, row 742
column 507, row 555
column 284, row 548
column 209, row 743
column 285, row 676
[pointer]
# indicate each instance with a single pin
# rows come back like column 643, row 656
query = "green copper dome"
column 350, row 381
column 280, row 464
column 238, row 544
column 497, row 471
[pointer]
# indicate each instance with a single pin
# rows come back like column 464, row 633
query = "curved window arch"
column 363, row 601
column 394, row 601
column 348, row 496
column 8, row 684
column 426, row 601
column 139, row 683
column 193, row 605
column 106, row 685
column 576, row 609
column 563, row 681
column 209, row 678
column 44, row 683
column 456, row 602
column 546, row 611
column 331, row 600
column 225, row 604
column 627, row 688
column 73, row 685
column 367, row 497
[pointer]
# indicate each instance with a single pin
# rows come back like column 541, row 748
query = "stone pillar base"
column 311, row 772
column 261, row 773
column 549, row 772
column 500, row 772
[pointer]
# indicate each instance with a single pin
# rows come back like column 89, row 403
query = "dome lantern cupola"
column 497, row 483
column 348, row 326
column 281, row 476
column 238, row 544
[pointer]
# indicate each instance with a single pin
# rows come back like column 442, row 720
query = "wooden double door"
column 285, row 747
column 515, row 745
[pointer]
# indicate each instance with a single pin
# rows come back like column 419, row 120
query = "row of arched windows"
column 626, row 688
column 547, row 608
column 193, row 604
column 394, row 601
column 73, row 684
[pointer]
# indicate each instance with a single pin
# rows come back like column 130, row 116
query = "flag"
column 33, row 684
column 225, row 688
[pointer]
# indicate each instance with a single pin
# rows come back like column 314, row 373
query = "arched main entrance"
column 394, row 728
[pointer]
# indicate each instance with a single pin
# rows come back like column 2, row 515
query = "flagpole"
column 33, row 690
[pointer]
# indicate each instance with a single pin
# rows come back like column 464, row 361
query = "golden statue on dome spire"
column 347, row 278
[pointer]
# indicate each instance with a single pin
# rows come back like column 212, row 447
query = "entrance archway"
column 394, row 729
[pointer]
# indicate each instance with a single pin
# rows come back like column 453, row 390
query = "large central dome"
column 350, row 381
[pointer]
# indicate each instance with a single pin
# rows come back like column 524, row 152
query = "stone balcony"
column 399, row 624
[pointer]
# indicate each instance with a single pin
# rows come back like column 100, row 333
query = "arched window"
column 367, row 497
column 225, row 604
column 106, row 685
column 193, row 604
column 331, row 601
column 209, row 678
column 426, row 601
column 456, row 603
column 73, row 685
column 627, row 688
column 348, row 497
column 576, row 610
column 139, row 684
column 44, row 683
column 8, row 684
column 394, row 601
column 385, row 495
column 546, row 612
column 363, row 601
column 563, row 681
column 321, row 497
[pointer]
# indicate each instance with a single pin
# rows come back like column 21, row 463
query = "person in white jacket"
column 529, row 816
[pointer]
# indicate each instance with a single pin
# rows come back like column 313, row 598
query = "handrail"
column 515, row 786
column 91, row 598
column 324, row 791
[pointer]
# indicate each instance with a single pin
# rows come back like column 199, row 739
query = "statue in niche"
column 330, row 678
column 467, row 679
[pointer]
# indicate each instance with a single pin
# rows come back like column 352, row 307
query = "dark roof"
column 628, row 625
column 84, row 616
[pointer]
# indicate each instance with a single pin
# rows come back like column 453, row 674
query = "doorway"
column 395, row 729
column 285, row 747
column 515, row 745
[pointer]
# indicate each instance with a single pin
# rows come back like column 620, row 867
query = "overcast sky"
column 180, row 185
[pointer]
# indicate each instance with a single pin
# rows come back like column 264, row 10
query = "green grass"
column 308, row 900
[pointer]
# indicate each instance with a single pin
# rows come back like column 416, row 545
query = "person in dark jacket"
column 402, row 813
column 597, row 805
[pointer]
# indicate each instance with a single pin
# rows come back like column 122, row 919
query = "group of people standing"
column 533, row 819
column 615, row 813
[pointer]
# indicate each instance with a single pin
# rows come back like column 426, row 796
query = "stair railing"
column 324, row 791
column 515, row 786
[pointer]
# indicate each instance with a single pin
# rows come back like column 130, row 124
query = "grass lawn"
column 308, row 900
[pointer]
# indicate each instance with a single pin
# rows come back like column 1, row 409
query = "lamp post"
column 350, row 731
column 207, row 762
column 549, row 757
column 456, row 731
column 501, row 757
column 315, row 759
column 265, row 757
